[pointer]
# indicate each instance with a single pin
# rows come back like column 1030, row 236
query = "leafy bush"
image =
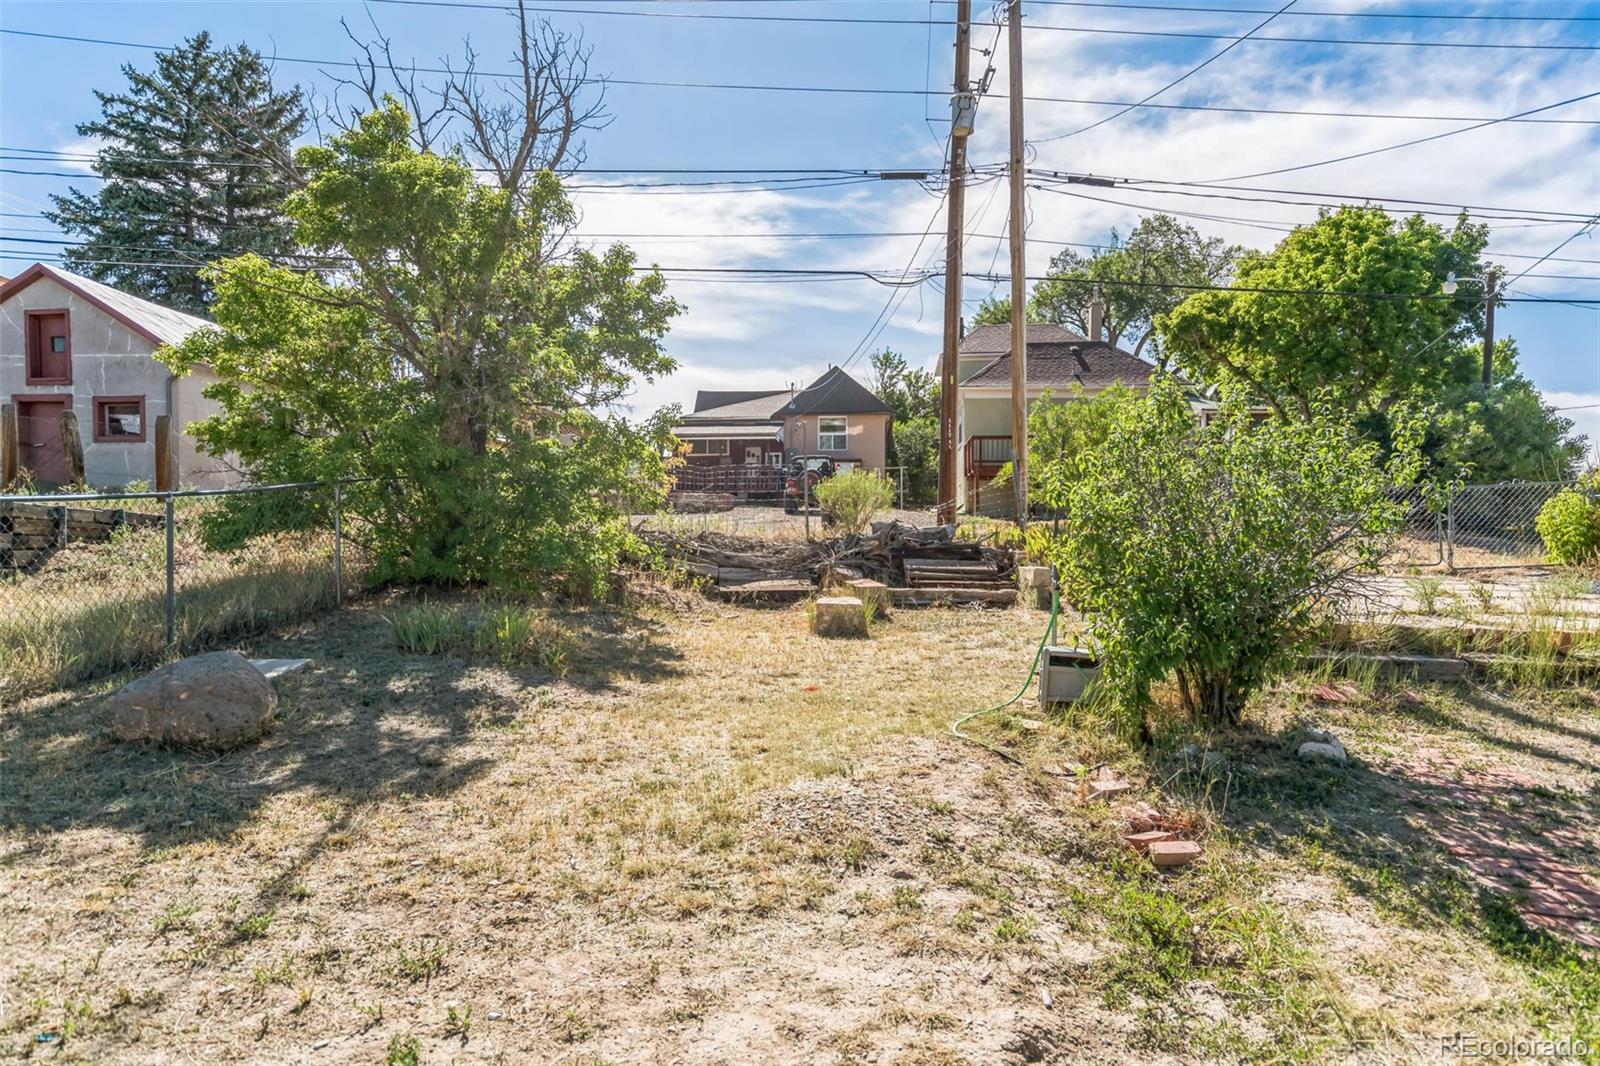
column 1207, row 551
column 855, row 497
column 1061, row 435
column 1569, row 525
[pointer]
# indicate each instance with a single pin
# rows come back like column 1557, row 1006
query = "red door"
column 39, row 438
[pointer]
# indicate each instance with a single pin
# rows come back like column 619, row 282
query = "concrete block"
column 869, row 591
column 1174, row 852
column 1033, row 577
column 839, row 616
column 275, row 668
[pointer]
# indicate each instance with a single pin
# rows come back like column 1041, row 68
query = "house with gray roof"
column 72, row 344
column 739, row 442
column 1061, row 364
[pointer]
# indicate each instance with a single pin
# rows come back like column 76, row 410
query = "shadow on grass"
column 1385, row 828
column 363, row 723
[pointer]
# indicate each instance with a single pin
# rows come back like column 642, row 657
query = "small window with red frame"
column 119, row 419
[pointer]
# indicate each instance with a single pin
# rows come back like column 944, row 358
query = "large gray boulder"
column 217, row 700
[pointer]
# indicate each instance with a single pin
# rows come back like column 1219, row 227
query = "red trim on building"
column 39, row 270
column 29, row 338
column 119, row 438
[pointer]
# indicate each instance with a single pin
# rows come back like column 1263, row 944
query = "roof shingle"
column 996, row 339
column 1058, row 366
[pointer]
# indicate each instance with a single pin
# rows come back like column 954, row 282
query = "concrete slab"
column 273, row 669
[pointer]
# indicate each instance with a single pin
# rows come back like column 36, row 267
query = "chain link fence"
column 94, row 583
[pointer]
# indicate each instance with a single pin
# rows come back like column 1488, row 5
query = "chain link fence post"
column 172, row 577
column 1450, row 527
column 338, row 545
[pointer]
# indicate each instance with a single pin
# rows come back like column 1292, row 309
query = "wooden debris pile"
column 919, row 565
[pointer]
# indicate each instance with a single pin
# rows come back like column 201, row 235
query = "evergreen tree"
column 185, row 180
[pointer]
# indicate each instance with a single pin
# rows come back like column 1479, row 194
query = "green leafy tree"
column 913, row 393
column 1160, row 252
column 1365, row 353
column 914, row 433
column 453, row 356
column 190, row 176
column 1206, row 552
column 994, row 311
column 916, row 450
column 1504, row 433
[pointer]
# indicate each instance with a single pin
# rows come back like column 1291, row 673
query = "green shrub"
column 512, row 635
column 1207, row 552
column 855, row 497
column 1569, row 525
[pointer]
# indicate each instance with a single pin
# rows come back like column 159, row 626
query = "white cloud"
column 772, row 333
column 80, row 153
column 1584, row 410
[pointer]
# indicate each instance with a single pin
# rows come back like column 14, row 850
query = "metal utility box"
column 1065, row 673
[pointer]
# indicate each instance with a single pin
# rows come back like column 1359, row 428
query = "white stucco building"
column 70, row 343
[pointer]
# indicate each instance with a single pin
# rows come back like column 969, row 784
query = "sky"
column 739, row 334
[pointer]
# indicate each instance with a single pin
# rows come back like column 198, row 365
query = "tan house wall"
column 866, row 438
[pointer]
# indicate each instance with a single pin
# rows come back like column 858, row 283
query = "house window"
column 708, row 447
column 49, row 346
column 831, row 434
column 774, row 458
column 119, row 419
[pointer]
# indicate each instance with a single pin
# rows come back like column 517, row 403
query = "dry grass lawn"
column 719, row 839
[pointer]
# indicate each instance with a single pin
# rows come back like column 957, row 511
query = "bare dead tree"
column 513, row 124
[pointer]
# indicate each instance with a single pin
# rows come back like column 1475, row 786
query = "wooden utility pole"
column 1019, row 272
column 1488, row 327
column 955, row 223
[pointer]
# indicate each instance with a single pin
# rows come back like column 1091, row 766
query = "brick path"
column 1504, row 830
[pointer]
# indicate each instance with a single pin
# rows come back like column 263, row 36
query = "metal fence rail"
column 91, row 583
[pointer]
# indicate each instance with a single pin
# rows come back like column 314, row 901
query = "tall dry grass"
column 94, row 609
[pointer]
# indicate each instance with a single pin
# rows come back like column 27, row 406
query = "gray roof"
column 706, row 398
column 835, row 393
column 996, row 339
column 1057, row 366
column 162, row 324
column 753, row 406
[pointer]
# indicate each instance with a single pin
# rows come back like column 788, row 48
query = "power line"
column 1193, row 189
column 904, row 278
column 820, row 181
column 1304, row 13
column 851, row 89
column 1111, row 31
column 1180, row 79
column 1404, row 144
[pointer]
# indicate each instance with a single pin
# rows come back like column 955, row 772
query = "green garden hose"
column 1033, row 670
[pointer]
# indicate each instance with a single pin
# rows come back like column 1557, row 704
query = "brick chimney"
column 1097, row 318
